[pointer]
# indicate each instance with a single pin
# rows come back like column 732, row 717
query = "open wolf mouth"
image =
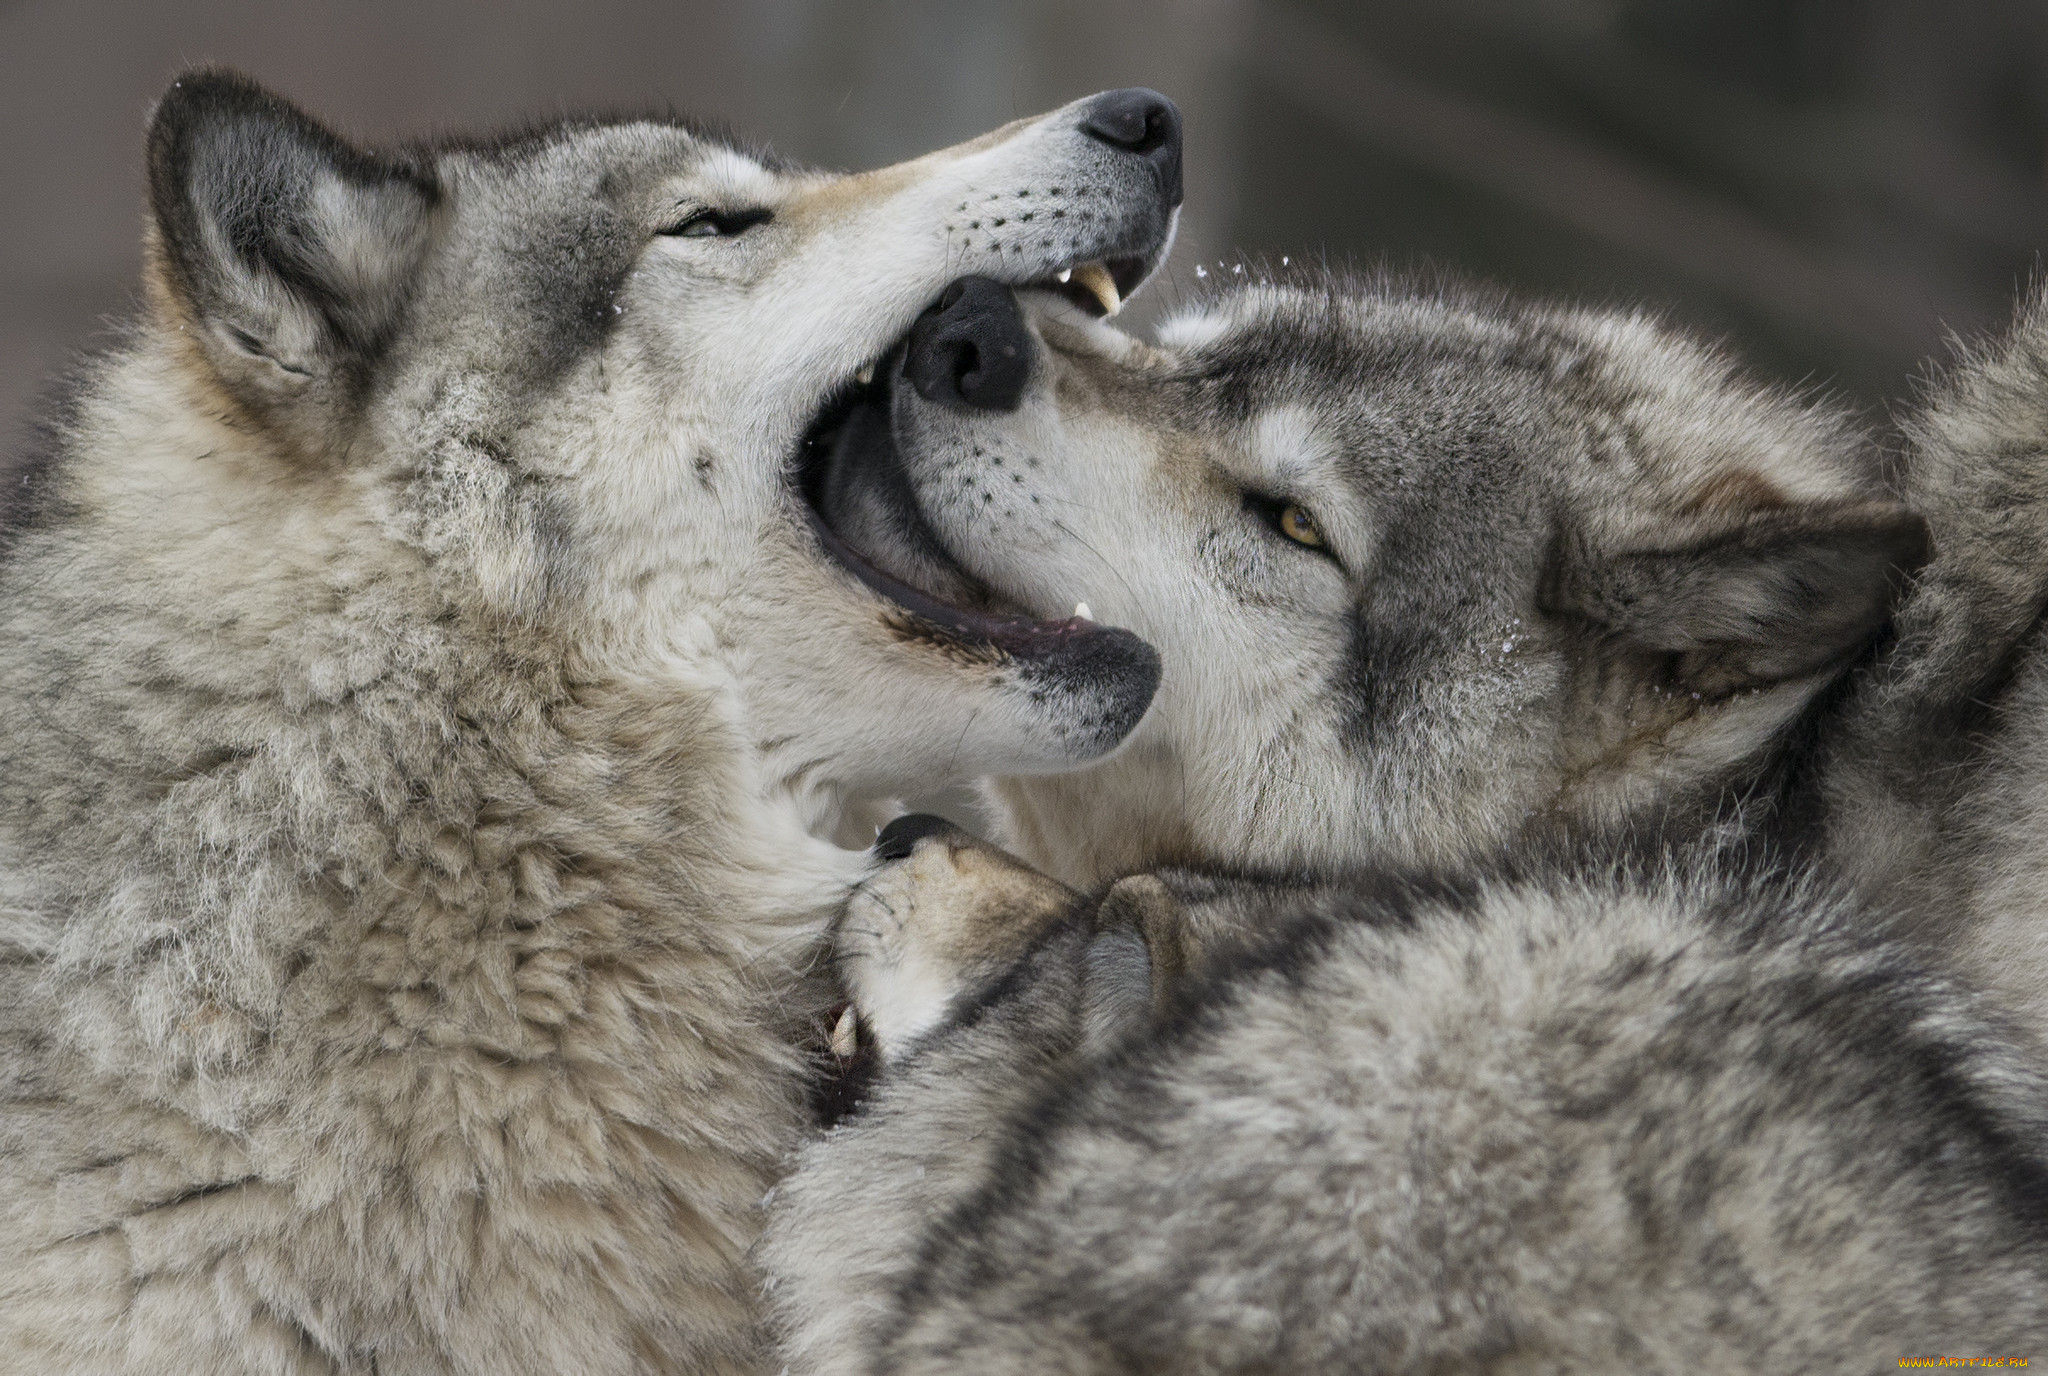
column 863, row 508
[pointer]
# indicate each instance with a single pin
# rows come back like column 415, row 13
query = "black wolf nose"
column 900, row 837
column 970, row 351
column 1141, row 122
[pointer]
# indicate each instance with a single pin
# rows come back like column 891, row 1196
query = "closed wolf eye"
column 708, row 223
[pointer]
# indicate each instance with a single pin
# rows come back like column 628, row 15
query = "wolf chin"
column 422, row 688
column 1461, row 1013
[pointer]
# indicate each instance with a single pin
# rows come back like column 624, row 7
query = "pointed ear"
column 1774, row 595
column 288, row 252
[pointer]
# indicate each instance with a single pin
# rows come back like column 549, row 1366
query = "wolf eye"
column 1291, row 520
column 706, row 224
column 1298, row 525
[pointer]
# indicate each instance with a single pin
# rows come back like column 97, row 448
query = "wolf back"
column 1936, row 769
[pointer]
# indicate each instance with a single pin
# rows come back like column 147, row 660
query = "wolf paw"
column 941, row 913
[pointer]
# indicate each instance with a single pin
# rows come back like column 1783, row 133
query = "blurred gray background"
column 1831, row 184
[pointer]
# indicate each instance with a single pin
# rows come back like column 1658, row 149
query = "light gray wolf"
column 424, row 692
column 1435, row 1058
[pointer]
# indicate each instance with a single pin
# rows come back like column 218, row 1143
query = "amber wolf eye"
column 1291, row 519
column 717, row 223
column 1298, row 525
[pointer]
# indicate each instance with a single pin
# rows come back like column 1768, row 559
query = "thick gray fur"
column 1937, row 768
column 1531, row 1127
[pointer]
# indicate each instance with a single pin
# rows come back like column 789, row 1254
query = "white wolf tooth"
column 1065, row 275
column 1096, row 279
column 1081, row 610
column 846, row 1034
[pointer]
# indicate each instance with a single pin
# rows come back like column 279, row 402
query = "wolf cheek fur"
column 411, row 674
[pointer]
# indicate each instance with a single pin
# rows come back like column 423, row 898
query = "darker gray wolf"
column 1461, row 1013
column 1430, row 571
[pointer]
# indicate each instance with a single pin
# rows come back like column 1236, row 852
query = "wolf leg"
column 980, row 984
column 967, row 981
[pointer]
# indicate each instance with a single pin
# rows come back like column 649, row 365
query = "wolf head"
column 568, row 374
column 1427, row 571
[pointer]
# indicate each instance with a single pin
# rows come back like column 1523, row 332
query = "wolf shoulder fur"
column 1543, row 1124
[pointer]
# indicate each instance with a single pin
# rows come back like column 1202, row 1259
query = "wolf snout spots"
column 1144, row 124
column 971, row 351
column 1088, row 217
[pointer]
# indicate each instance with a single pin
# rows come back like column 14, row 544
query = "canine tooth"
column 1081, row 610
column 1096, row 279
column 846, row 1035
column 1066, row 274
column 865, row 375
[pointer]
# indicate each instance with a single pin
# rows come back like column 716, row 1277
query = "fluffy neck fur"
column 322, row 886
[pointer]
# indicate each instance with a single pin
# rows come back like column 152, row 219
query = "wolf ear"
column 1775, row 595
column 290, row 251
